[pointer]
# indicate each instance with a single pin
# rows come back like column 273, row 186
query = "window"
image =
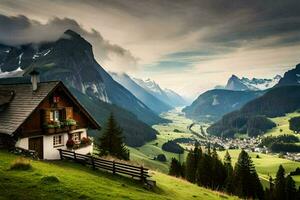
column 58, row 140
column 76, row 137
column 54, row 115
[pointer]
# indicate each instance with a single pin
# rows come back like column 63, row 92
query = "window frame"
column 79, row 137
column 54, row 140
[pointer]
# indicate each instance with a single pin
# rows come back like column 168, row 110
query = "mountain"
column 141, row 93
column 291, row 77
column 167, row 96
column 213, row 104
column 175, row 98
column 252, row 118
column 71, row 60
column 235, row 83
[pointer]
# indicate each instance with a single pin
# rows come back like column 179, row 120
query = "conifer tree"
column 279, row 189
column 176, row 169
column 246, row 181
column 204, row 171
column 218, row 171
column 229, row 173
column 111, row 142
column 290, row 188
column 192, row 161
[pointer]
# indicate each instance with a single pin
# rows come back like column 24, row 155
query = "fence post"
column 114, row 167
column 74, row 155
column 60, row 154
column 93, row 162
column 142, row 174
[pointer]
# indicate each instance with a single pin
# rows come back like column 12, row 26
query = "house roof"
column 25, row 101
column 6, row 96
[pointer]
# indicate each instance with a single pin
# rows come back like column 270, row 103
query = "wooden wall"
column 34, row 123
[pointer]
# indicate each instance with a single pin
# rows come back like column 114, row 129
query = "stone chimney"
column 35, row 79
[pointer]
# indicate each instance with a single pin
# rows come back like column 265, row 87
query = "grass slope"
column 147, row 152
column 266, row 165
column 79, row 182
column 282, row 124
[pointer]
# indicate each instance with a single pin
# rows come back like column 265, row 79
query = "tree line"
column 207, row 170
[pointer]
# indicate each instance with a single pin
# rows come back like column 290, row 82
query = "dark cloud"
column 17, row 30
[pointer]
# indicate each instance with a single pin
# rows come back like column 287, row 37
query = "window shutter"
column 69, row 112
column 46, row 116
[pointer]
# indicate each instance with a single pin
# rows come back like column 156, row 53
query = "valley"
column 266, row 164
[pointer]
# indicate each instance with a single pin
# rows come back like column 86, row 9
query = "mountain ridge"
column 141, row 93
column 70, row 59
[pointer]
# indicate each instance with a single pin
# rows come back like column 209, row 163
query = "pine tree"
column 204, row 171
column 192, row 161
column 290, row 188
column 279, row 189
column 218, row 171
column 246, row 181
column 111, row 142
column 229, row 173
column 176, row 169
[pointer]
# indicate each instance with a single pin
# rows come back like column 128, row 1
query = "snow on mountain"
column 141, row 93
column 166, row 95
column 241, row 84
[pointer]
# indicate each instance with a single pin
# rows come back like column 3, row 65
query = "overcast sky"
column 187, row 46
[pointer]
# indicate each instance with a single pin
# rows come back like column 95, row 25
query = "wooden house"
column 44, row 117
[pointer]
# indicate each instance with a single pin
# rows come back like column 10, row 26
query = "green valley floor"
column 266, row 165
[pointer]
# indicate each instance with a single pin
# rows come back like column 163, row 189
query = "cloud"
column 18, row 30
column 189, row 45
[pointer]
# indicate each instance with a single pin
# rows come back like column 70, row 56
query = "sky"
column 188, row 46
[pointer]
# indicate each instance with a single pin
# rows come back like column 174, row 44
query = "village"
column 249, row 144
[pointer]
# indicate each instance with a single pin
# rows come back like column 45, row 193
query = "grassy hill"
column 266, row 165
column 80, row 182
column 282, row 125
column 147, row 152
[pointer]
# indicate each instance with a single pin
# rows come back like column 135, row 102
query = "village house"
column 43, row 117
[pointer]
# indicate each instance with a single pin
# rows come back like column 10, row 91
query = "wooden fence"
column 111, row 166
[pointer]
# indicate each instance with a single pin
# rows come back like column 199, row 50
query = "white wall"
column 22, row 143
column 51, row 152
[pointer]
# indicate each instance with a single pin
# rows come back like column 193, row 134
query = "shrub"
column 70, row 122
column 21, row 164
column 172, row 147
column 296, row 172
column 177, row 131
column 49, row 179
column 85, row 141
column 161, row 158
column 70, row 144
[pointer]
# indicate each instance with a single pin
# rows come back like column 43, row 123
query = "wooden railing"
column 102, row 164
column 25, row 152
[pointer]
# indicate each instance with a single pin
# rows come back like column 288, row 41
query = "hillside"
column 79, row 182
column 282, row 125
column 252, row 119
column 141, row 93
column 265, row 165
column 291, row 77
column 71, row 60
column 213, row 104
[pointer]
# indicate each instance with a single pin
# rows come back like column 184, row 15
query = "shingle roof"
column 6, row 96
column 22, row 104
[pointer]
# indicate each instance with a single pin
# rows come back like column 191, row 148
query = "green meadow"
column 80, row 182
column 282, row 125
